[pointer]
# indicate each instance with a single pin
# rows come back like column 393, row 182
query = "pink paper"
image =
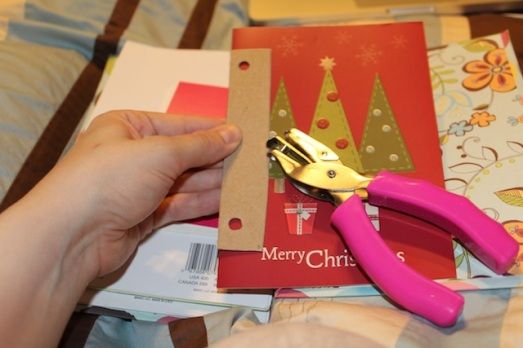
column 196, row 99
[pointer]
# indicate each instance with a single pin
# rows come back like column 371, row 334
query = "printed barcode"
column 202, row 258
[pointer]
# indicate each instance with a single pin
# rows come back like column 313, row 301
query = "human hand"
column 131, row 172
column 128, row 173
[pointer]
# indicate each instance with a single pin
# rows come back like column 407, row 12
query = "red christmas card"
column 365, row 92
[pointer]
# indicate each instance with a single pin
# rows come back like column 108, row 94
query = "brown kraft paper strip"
column 244, row 189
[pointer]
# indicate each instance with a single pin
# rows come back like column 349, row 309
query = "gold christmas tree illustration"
column 282, row 120
column 382, row 145
column 329, row 123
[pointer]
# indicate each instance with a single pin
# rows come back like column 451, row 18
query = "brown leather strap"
column 188, row 333
column 198, row 25
column 59, row 130
column 78, row 329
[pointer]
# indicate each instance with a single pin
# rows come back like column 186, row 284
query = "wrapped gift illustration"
column 300, row 217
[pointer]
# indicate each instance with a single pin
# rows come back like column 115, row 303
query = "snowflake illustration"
column 399, row 41
column 368, row 54
column 343, row 38
column 289, row 45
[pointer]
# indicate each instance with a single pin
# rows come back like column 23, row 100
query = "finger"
column 174, row 155
column 201, row 180
column 107, row 127
column 139, row 124
column 185, row 206
column 170, row 124
column 213, row 165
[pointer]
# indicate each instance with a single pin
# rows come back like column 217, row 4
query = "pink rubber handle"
column 483, row 236
column 403, row 285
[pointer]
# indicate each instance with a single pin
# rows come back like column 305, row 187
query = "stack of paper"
column 365, row 92
column 334, row 83
column 174, row 271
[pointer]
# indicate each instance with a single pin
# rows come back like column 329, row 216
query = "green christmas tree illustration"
column 329, row 124
column 281, row 121
column 382, row 146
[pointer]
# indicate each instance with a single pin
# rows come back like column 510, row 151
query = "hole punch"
column 244, row 65
column 235, row 224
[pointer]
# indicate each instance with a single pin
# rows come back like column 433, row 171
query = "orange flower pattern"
column 482, row 119
column 494, row 71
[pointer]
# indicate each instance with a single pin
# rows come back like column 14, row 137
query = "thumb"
column 201, row 148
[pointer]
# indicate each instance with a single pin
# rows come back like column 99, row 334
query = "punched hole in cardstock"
column 235, row 224
column 244, row 65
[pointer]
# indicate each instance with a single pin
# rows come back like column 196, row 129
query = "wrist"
column 43, row 267
column 60, row 225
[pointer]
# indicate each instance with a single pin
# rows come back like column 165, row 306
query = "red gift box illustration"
column 300, row 217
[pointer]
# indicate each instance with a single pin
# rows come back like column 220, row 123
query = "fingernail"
column 230, row 133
